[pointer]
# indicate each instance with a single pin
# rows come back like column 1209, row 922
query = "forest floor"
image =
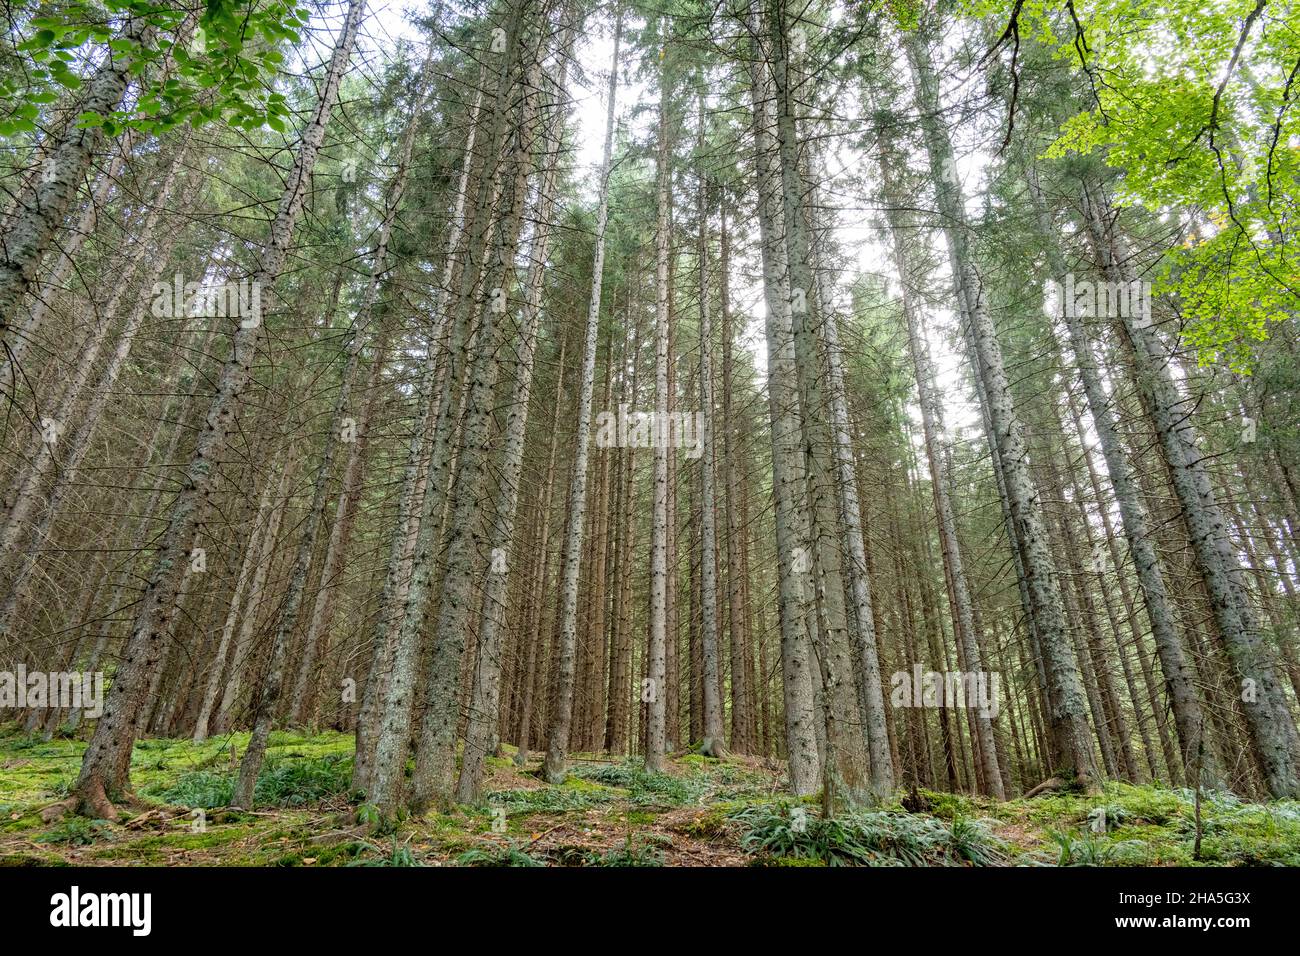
column 609, row 812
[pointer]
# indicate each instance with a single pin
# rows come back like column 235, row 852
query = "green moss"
column 661, row 789
column 340, row 853
column 613, row 804
column 1152, row 826
column 551, row 799
column 697, row 760
column 283, row 782
column 706, row 826
column 31, row 859
column 1249, row 834
column 946, row 806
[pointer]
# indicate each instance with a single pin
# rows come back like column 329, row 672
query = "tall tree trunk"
column 711, row 742
column 23, row 336
column 802, row 705
column 88, row 419
column 1183, row 699
column 484, row 703
column 654, row 691
column 31, row 229
column 620, row 668
column 1066, row 695
column 557, row 746
column 403, row 673
column 533, row 625
column 384, row 655
column 339, row 432
column 105, row 767
column 1272, row 731
column 742, row 695
column 858, row 778
column 433, row 781
column 940, row 481
column 253, row 549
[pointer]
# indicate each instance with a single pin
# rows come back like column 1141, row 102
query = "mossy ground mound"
column 701, row 812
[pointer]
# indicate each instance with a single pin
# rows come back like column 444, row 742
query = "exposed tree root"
column 57, row 811
column 709, row 747
column 915, row 802
column 91, row 801
column 1050, row 785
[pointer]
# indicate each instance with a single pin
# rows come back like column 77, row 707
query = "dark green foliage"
column 550, row 799
column 295, row 783
column 202, row 788
column 509, row 855
column 76, row 831
column 399, row 855
column 643, row 787
column 283, row 783
column 1077, row 850
column 876, row 838
column 641, row 851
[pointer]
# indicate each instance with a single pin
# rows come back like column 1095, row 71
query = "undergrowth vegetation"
column 283, row 782
column 794, row 834
column 606, row 814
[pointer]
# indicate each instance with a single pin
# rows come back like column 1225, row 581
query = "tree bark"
column 557, row 746
column 105, row 767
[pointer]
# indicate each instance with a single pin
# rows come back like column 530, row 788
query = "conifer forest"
column 661, row 433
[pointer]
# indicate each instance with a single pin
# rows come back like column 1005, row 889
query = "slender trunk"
column 339, row 432
column 484, row 703
column 31, row 229
column 1177, row 671
column 252, row 548
column 385, row 646
column 562, row 717
column 88, row 418
column 711, row 742
column 803, row 746
column 105, row 767
column 863, row 769
column 940, row 482
column 403, row 672
column 532, row 626
column 1273, row 734
column 1066, row 694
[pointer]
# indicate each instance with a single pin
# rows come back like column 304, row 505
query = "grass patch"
column 644, row 787
column 508, row 855
column 723, row 807
column 867, row 838
column 552, row 799
column 284, row 782
column 635, row 851
column 76, row 831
